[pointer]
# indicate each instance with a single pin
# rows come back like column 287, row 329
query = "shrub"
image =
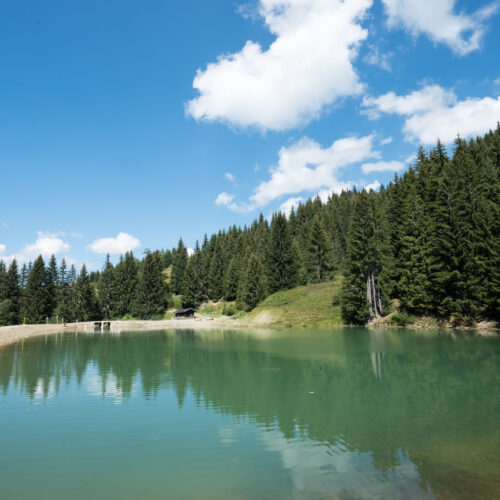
column 402, row 319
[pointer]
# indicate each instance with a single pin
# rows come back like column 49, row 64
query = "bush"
column 402, row 319
column 228, row 310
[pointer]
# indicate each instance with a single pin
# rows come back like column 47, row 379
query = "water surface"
column 346, row 413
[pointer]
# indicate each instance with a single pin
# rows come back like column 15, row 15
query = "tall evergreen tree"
column 320, row 253
column 36, row 293
column 152, row 291
column 87, row 307
column 52, row 285
column 179, row 264
column 106, row 287
column 282, row 261
column 253, row 285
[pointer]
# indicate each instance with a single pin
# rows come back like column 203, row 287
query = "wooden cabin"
column 184, row 313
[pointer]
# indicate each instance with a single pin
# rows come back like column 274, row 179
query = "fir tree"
column 14, row 289
column 253, row 286
column 106, row 287
column 179, row 264
column 36, row 293
column 282, row 265
column 52, row 285
column 87, row 308
column 320, row 253
column 152, row 291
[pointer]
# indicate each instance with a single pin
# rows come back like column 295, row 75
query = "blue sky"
column 126, row 124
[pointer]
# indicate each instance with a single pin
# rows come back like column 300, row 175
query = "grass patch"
column 311, row 305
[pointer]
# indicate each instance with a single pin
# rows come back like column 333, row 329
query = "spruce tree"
column 87, row 307
column 36, row 293
column 179, row 264
column 369, row 266
column 52, row 285
column 106, row 287
column 14, row 289
column 282, row 261
column 320, row 253
column 152, row 291
column 253, row 285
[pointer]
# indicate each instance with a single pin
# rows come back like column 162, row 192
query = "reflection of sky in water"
column 327, row 470
column 106, row 386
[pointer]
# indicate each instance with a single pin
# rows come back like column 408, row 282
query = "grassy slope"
column 309, row 305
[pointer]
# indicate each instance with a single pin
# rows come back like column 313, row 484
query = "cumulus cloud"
column 439, row 20
column 306, row 68
column 224, row 199
column 46, row 244
column 122, row 243
column 306, row 166
column 229, row 176
column 433, row 112
column 386, row 141
column 382, row 166
column 286, row 207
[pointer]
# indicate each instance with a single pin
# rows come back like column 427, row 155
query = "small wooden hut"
column 184, row 313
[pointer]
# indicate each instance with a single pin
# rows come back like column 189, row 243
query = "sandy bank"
column 11, row 334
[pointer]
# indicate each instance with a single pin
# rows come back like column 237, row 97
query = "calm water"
column 347, row 413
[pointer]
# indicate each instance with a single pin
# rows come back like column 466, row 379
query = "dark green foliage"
column 126, row 280
column 431, row 239
column 216, row 273
column 36, row 293
column 107, row 289
column 8, row 315
column 179, row 263
column 87, row 308
column 369, row 266
column 152, row 297
column 320, row 253
column 52, row 285
column 282, row 261
column 14, row 290
column 253, row 286
column 402, row 319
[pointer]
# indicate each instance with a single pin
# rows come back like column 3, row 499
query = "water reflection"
column 351, row 413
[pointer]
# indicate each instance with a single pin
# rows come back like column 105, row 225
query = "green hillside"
column 311, row 305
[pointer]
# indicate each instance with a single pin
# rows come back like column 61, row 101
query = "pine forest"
column 430, row 240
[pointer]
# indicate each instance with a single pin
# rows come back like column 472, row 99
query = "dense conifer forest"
column 430, row 239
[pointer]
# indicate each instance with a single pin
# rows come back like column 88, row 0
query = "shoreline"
column 15, row 333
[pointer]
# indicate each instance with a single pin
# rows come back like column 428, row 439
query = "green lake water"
column 340, row 414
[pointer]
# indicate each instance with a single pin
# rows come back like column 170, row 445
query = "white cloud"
column 373, row 186
column 286, row 207
column 124, row 242
column 382, row 166
column 190, row 252
column 305, row 69
column 229, row 176
column 386, row 141
column 224, row 199
column 440, row 22
column 434, row 113
column 375, row 58
column 497, row 81
column 306, row 166
column 46, row 244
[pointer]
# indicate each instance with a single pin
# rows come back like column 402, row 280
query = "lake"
column 308, row 414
